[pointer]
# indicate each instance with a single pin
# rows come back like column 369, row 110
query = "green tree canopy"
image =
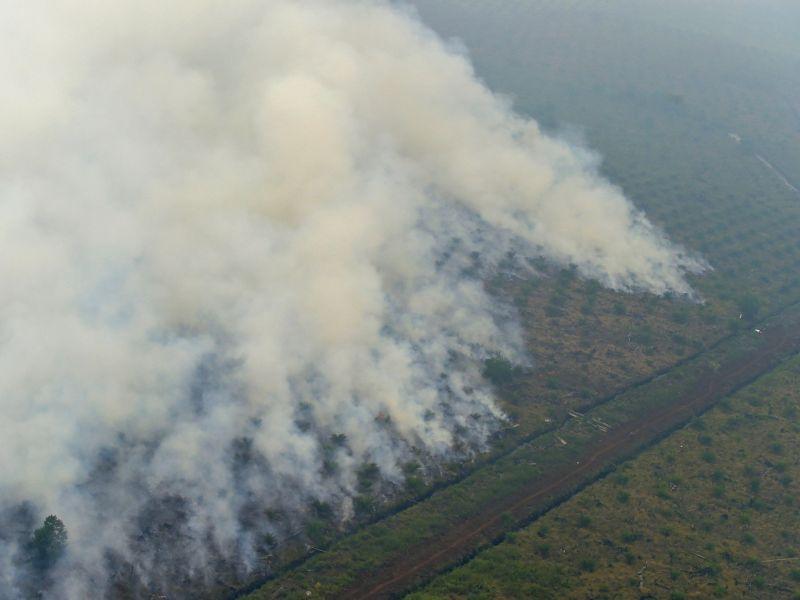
column 48, row 543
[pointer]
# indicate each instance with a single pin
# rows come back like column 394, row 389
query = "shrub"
column 588, row 565
column 621, row 479
column 315, row 530
column 363, row 505
column 367, row 476
column 415, row 485
column 749, row 306
column 499, row 370
column 322, row 510
column 338, row 439
column 630, row 536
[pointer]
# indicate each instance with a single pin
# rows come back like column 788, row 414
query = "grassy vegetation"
column 712, row 511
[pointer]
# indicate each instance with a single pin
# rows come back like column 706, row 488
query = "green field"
column 712, row 511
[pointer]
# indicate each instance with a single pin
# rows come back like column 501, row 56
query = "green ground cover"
column 712, row 511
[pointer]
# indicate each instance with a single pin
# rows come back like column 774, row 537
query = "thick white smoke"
column 239, row 227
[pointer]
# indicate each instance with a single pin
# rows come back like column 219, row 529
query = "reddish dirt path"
column 623, row 441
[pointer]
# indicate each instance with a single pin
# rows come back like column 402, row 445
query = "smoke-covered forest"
column 326, row 299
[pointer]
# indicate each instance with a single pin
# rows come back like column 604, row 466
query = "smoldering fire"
column 245, row 224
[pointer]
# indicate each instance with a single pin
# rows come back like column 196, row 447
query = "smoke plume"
column 232, row 231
